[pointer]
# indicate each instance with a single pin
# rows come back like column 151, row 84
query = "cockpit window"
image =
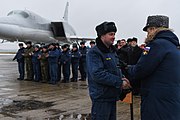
column 19, row 12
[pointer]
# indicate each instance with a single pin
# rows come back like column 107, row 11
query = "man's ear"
column 102, row 37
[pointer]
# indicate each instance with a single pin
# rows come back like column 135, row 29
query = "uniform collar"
column 103, row 48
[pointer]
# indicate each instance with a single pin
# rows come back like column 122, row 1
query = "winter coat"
column 65, row 57
column 43, row 58
column 35, row 57
column 104, row 77
column 53, row 56
column 158, row 69
column 75, row 55
column 19, row 56
column 60, row 53
column 27, row 53
column 123, row 53
column 83, row 52
column 134, row 54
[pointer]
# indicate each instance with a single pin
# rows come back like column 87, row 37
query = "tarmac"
column 28, row 100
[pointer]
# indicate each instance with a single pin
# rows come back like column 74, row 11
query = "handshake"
column 126, row 84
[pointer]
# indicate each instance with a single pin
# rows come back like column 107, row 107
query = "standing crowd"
column 48, row 63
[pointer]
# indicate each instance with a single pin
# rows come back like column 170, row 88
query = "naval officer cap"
column 157, row 21
column 74, row 45
column 53, row 44
column 28, row 42
column 82, row 43
column 105, row 27
column 92, row 42
column 36, row 46
column 20, row 44
column 65, row 46
column 45, row 46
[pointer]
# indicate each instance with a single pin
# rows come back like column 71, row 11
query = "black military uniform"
column 92, row 43
column 134, row 53
column 59, row 63
column 82, row 61
column 123, row 53
column 75, row 62
column 65, row 62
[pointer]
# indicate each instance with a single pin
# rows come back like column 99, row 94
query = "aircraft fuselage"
column 25, row 25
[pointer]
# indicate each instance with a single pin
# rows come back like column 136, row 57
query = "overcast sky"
column 129, row 15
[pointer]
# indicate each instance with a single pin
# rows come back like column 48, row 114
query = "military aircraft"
column 24, row 25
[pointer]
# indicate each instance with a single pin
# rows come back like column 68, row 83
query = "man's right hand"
column 126, row 84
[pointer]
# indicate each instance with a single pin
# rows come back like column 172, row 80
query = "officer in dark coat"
column 82, row 61
column 123, row 51
column 104, row 77
column 53, row 56
column 28, row 60
column 65, row 62
column 20, row 59
column 158, row 69
column 59, row 63
column 36, row 63
column 133, row 54
column 74, row 62
column 92, row 44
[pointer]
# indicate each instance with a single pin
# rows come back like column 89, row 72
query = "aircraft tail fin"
column 66, row 12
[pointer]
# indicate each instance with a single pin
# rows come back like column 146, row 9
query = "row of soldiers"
column 44, row 64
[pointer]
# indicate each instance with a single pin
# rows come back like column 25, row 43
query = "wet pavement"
column 27, row 100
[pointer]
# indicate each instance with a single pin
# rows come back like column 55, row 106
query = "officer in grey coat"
column 158, row 69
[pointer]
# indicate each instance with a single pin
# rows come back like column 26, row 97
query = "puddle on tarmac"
column 6, row 89
column 54, row 111
column 24, row 105
column 3, row 93
column 81, row 86
column 4, row 101
column 12, row 107
column 1, row 76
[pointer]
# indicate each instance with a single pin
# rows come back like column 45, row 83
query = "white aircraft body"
column 23, row 25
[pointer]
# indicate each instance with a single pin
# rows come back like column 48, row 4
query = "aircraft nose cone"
column 9, row 31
